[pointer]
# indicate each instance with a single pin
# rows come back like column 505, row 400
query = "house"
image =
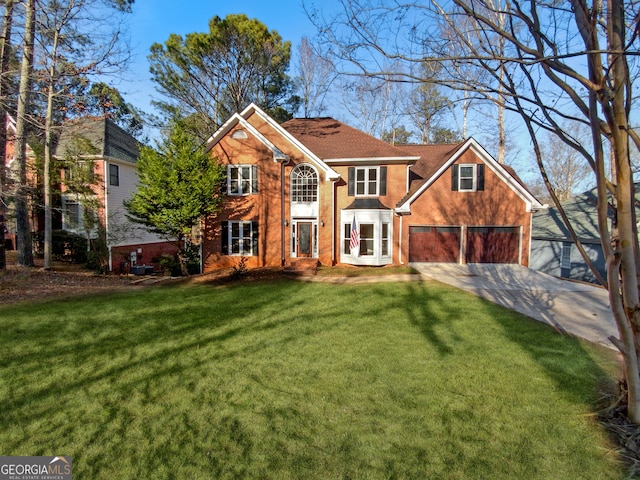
column 320, row 189
column 108, row 156
column 36, row 218
column 553, row 250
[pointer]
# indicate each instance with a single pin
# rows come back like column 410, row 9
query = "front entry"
column 305, row 240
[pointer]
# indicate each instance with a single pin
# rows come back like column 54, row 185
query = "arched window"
column 304, row 184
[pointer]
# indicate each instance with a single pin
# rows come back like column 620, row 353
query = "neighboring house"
column 36, row 219
column 110, row 154
column 317, row 188
column 553, row 251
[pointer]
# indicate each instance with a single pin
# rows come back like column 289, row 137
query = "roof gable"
column 242, row 118
column 436, row 159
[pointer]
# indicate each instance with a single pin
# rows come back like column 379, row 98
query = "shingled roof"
column 330, row 139
column 432, row 157
column 583, row 215
column 103, row 134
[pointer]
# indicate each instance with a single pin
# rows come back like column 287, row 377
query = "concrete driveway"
column 570, row 307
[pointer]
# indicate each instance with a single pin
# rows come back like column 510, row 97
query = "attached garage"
column 493, row 245
column 434, row 244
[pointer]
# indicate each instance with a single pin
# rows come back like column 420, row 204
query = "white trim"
column 365, row 181
column 329, row 172
column 240, row 179
column 531, row 202
column 371, row 160
column 241, row 226
column 278, row 155
column 315, row 236
column 375, row 217
column 474, row 177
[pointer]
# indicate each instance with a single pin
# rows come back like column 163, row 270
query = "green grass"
column 286, row 379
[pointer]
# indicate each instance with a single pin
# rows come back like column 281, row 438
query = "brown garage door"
column 493, row 244
column 434, row 244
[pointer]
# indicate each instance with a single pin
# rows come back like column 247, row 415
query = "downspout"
column 282, row 212
column 333, row 222
column 105, row 168
column 400, row 242
column 520, row 245
column 200, row 247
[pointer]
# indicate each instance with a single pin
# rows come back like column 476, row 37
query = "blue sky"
column 154, row 20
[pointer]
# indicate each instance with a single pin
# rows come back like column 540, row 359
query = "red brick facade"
column 388, row 190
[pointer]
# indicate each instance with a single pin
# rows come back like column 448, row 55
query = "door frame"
column 295, row 232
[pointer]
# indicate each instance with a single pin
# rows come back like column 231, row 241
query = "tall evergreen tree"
column 208, row 76
column 179, row 183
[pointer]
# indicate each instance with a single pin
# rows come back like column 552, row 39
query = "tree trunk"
column 5, row 47
column 25, row 251
column 625, row 195
column 48, row 154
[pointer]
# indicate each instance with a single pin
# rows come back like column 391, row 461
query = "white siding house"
column 111, row 153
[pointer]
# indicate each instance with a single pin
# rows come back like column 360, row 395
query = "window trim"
column 114, row 175
column 565, row 256
column 377, row 218
column 381, row 181
column 252, row 180
column 228, row 238
column 473, row 177
column 294, row 176
column 478, row 170
column 365, row 182
column 75, row 225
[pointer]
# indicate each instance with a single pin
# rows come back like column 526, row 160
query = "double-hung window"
column 367, row 181
column 240, row 238
column 467, row 177
column 242, row 179
column 565, row 259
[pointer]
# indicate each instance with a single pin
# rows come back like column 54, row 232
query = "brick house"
column 317, row 188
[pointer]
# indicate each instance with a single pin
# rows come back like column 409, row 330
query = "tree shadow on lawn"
column 447, row 323
column 439, row 321
column 133, row 343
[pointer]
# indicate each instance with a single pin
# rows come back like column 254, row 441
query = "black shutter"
column 383, row 181
column 351, row 189
column 480, row 179
column 225, row 238
column 254, row 238
column 254, row 179
column 454, row 178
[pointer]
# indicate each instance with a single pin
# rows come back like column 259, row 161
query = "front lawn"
column 287, row 379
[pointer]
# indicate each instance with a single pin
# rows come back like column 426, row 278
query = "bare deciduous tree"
column 551, row 63
column 23, row 230
column 315, row 76
column 77, row 38
column 5, row 50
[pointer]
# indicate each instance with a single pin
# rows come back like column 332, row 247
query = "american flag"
column 355, row 238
